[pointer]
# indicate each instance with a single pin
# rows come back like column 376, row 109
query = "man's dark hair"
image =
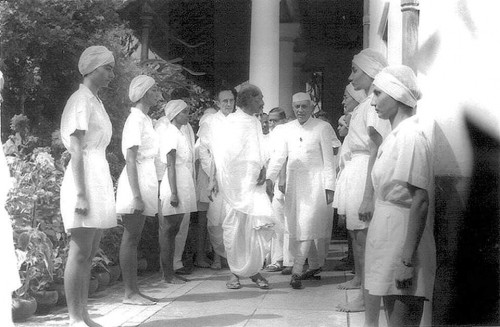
column 280, row 111
column 222, row 88
column 245, row 94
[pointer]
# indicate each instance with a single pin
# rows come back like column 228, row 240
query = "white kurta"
column 239, row 158
column 171, row 138
column 404, row 158
column 138, row 131
column 359, row 146
column 85, row 112
column 310, row 171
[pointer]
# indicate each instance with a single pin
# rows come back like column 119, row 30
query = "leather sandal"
column 260, row 281
column 274, row 267
column 233, row 284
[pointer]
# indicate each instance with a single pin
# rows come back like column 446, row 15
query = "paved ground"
column 204, row 301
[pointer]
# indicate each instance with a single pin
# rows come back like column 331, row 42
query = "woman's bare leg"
column 168, row 230
column 359, row 244
column 77, row 274
column 133, row 225
column 404, row 310
column 372, row 309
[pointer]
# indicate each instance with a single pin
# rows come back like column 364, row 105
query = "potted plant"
column 35, row 259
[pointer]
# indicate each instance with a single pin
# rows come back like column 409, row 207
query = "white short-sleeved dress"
column 171, row 138
column 355, row 170
column 139, row 131
column 404, row 158
column 85, row 112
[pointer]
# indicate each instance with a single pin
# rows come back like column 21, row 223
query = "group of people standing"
column 257, row 195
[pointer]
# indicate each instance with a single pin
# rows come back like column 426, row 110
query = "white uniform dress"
column 138, row 131
column 310, row 171
column 404, row 158
column 341, row 185
column 171, row 138
column 85, row 112
column 356, row 169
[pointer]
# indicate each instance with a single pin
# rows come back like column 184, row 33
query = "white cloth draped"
column 248, row 225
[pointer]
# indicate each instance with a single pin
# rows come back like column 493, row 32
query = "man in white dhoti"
column 240, row 159
column 310, row 183
column 366, row 132
column 217, row 205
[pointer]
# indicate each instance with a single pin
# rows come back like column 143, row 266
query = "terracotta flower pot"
column 22, row 309
column 114, row 273
column 93, row 285
column 103, row 278
column 59, row 287
column 45, row 300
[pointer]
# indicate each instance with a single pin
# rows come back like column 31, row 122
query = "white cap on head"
column 173, row 107
column 399, row 82
column 139, row 86
column 301, row 96
column 94, row 57
column 370, row 61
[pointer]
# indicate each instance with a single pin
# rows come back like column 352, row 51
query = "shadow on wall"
column 466, row 232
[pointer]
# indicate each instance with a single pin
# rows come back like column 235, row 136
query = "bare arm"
column 416, row 226
column 367, row 206
column 172, row 178
column 76, row 150
column 133, row 179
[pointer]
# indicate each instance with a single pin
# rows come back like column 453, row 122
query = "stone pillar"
column 264, row 50
column 366, row 24
column 410, row 12
column 147, row 23
column 288, row 34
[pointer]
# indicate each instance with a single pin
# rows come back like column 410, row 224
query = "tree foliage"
column 40, row 42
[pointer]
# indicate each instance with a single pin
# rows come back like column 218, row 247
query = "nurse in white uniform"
column 137, row 191
column 366, row 132
column 400, row 249
column 177, row 189
column 87, row 196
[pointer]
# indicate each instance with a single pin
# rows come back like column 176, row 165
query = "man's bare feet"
column 137, row 299
column 356, row 305
column 174, row 279
column 352, row 284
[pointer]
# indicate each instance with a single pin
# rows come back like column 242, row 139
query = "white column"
column 264, row 50
column 288, row 33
